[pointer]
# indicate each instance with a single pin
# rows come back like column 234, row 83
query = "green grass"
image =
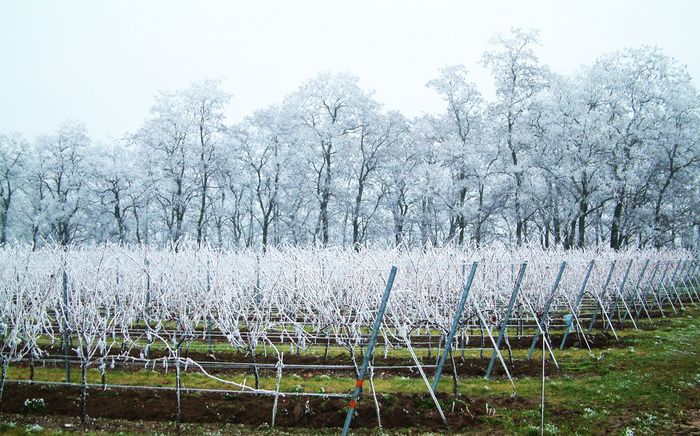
column 646, row 386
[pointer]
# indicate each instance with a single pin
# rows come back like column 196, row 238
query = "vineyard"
column 308, row 338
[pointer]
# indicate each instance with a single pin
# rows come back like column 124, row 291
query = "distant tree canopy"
column 607, row 155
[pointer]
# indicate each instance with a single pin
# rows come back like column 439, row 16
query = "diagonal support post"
column 506, row 318
column 644, row 297
column 662, row 285
column 654, row 291
column 634, row 295
column 672, row 283
column 545, row 314
column 455, row 324
column 603, row 290
column 687, row 280
column 370, row 349
column 693, row 277
column 621, row 293
column 681, row 281
column 579, row 297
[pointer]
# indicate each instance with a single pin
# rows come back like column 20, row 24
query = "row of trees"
column 608, row 154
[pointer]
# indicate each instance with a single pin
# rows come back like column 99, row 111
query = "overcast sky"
column 102, row 62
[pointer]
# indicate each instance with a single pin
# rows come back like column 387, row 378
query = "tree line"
column 608, row 154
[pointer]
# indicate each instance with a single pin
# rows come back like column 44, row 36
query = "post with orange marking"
column 370, row 349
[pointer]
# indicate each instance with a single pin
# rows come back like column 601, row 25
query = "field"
column 237, row 343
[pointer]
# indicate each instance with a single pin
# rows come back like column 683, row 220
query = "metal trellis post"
column 621, row 295
column 545, row 314
column 502, row 331
column 370, row 348
column 578, row 301
column 603, row 290
column 654, row 292
column 662, row 285
column 672, row 284
column 643, row 296
column 635, row 295
column 681, row 281
column 453, row 328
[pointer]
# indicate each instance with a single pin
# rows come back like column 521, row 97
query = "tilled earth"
column 397, row 410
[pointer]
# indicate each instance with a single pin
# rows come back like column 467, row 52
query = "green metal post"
column 671, row 284
column 646, row 291
column 681, row 280
column 578, row 300
column 504, row 325
column 455, row 324
column 635, row 295
column 621, row 289
column 370, row 348
column 657, row 292
column 545, row 313
column 602, row 291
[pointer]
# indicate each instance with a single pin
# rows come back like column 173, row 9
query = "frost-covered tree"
column 262, row 147
column 519, row 78
column 206, row 102
column 13, row 152
column 327, row 113
column 63, row 178
column 171, row 164
column 606, row 154
column 644, row 92
column 118, row 190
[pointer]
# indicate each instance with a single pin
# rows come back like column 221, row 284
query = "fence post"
column 545, row 314
column 502, row 331
column 453, row 328
column 368, row 354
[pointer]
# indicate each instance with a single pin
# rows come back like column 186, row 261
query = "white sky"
column 102, row 62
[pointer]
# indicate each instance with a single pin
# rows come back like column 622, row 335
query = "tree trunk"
column 325, row 193
column 3, row 376
column 3, row 226
column 583, row 211
column 254, row 367
column 83, row 392
column 103, row 373
column 178, row 386
column 615, row 235
column 31, row 366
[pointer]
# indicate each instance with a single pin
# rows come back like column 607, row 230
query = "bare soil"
column 397, row 410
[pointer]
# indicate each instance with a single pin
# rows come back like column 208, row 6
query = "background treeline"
column 607, row 155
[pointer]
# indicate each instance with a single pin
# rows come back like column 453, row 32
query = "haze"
column 102, row 63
